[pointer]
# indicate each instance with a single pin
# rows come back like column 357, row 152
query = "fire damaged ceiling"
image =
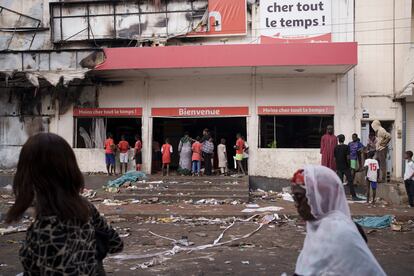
column 129, row 20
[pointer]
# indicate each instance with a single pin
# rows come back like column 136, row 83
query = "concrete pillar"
column 146, row 129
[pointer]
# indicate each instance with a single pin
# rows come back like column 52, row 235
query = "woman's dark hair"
column 48, row 175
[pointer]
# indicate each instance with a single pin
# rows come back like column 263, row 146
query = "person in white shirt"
column 372, row 174
column 409, row 177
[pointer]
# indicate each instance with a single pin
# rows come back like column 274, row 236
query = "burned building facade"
column 159, row 68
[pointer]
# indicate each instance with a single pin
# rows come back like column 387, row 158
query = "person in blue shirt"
column 355, row 150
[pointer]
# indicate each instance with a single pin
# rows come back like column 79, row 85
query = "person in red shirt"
column 239, row 147
column 123, row 153
column 138, row 153
column 196, row 157
column 110, row 154
column 166, row 151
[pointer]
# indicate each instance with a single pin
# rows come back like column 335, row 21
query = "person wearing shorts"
column 239, row 147
column 372, row 174
column 123, row 153
column 109, row 154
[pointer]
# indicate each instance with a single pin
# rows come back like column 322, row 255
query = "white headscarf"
column 333, row 245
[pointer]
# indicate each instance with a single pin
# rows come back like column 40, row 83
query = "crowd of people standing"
column 347, row 160
column 198, row 153
column 195, row 155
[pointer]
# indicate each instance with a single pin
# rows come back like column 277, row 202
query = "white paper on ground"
column 263, row 209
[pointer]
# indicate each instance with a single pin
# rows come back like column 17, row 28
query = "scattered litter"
column 115, row 218
column 185, row 246
column 210, row 201
column 201, row 234
column 371, row 231
column 88, row 193
column 158, row 260
column 155, row 182
column 375, row 222
column 287, row 197
column 252, row 205
column 124, row 235
column 227, row 262
column 263, row 209
column 3, row 265
column 112, row 190
column 13, row 229
column 131, row 176
column 396, row 227
column 114, row 202
column 183, row 241
column 245, row 262
column 5, row 196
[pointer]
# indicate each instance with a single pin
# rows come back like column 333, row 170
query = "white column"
column 146, row 129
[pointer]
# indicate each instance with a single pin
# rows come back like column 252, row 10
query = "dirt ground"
column 271, row 251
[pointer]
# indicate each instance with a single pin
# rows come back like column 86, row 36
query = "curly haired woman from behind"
column 68, row 235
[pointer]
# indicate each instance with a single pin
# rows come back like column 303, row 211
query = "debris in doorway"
column 5, row 196
column 263, row 209
column 375, row 222
column 131, row 176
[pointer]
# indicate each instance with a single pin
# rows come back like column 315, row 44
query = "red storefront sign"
column 200, row 111
column 296, row 110
column 226, row 18
column 108, row 112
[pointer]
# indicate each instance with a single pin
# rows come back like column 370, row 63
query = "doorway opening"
column 174, row 129
column 366, row 129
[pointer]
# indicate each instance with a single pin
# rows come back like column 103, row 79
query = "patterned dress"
column 55, row 247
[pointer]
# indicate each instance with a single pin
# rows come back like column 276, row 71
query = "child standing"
column 409, row 177
column 138, row 153
column 166, row 151
column 222, row 156
column 123, row 153
column 372, row 173
column 196, row 157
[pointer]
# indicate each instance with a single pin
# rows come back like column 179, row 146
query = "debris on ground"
column 88, row 193
column 375, row 222
column 263, row 209
column 287, row 197
column 183, row 245
column 245, row 262
column 114, row 219
column 13, row 229
column 131, row 176
column 112, row 190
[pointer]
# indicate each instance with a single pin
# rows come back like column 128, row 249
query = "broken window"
column 91, row 132
column 293, row 131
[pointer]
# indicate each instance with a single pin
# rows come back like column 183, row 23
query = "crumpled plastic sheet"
column 131, row 176
column 375, row 222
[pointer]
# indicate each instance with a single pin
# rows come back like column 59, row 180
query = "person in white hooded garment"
column 333, row 243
